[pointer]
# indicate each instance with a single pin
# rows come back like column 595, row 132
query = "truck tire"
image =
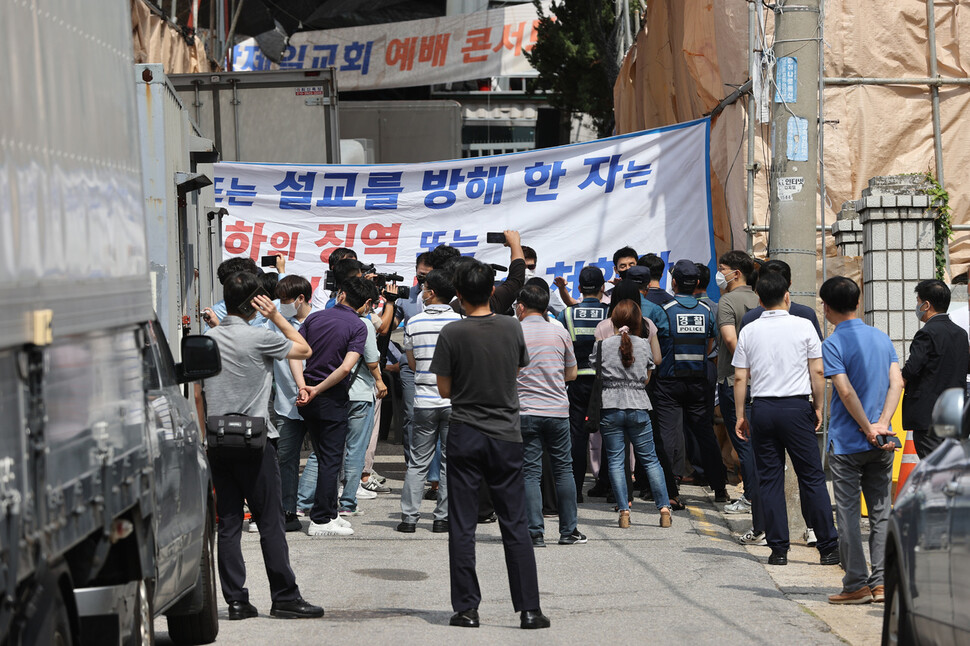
column 143, row 630
column 201, row 627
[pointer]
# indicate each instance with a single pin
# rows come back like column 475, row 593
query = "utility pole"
column 794, row 167
column 794, row 144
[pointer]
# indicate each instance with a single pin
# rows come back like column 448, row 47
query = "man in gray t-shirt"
column 243, row 387
column 476, row 361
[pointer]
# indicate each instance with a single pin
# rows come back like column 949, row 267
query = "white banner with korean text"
column 415, row 52
column 575, row 205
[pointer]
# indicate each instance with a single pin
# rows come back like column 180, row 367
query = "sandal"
column 676, row 505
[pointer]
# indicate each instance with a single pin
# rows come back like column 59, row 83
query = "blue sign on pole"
column 797, row 139
column 786, row 79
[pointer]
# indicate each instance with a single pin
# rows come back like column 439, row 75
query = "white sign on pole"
column 415, row 52
column 575, row 205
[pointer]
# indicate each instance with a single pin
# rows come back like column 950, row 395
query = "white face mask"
column 530, row 273
column 288, row 310
column 721, row 281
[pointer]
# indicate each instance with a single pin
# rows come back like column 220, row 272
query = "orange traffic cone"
column 910, row 460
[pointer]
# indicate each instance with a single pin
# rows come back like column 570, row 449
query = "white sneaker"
column 810, row 539
column 739, row 506
column 750, row 538
column 365, row 494
column 374, row 475
column 252, row 527
column 333, row 528
column 343, row 522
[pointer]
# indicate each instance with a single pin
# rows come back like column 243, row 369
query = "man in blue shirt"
column 862, row 364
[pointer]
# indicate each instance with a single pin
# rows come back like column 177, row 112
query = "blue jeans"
column 360, row 424
column 551, row 434
column 308, row 484
column 407, row 397
column 633, row 425
column 292, row 432
column 434, row 471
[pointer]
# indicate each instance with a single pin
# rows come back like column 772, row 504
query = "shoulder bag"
column 595, row 407
column 235, row 433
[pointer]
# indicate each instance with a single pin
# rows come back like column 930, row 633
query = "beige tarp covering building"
column 692, row 51
column 156, row 41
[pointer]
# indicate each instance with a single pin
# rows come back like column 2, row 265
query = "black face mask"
column 622, row 274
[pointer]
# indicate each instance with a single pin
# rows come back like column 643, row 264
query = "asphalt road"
column 690, row 584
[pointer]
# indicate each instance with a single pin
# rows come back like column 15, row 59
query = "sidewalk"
column 805, row 581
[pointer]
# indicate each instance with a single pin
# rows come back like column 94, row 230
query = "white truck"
column 107, row 512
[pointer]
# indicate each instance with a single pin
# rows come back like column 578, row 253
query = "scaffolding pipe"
column 933, row 82
column 935, row 95
column 751, row 167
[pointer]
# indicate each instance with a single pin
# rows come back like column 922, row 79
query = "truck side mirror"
column 948, row 417
column 200, row 359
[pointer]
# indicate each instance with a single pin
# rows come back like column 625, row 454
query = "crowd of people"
column 514, row 392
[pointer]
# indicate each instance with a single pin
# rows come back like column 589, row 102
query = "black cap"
column 685, row 273
column 639, row 274
column 591, row 278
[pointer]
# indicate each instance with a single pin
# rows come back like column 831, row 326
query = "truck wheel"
column 201, row 627
column 143, row 630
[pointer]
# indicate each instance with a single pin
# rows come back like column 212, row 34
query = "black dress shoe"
column 292, row 523
column 538, row 541
column 721, row 496
column 778, row 557
column 241, row 610
column 439, row 527
column 406, row 528
column 830, row 557
column 431, row 494
column 465, row 618
column 296, row 609
column 534, row 619
column 484, row 520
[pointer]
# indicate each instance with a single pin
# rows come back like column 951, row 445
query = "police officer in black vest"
column 681, row 390
column 581, row 321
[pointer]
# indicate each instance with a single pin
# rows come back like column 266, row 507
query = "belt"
column 775, row 399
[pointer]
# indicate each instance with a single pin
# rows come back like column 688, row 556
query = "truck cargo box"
column 72, row 229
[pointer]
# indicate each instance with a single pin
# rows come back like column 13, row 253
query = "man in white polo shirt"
column 783, row 356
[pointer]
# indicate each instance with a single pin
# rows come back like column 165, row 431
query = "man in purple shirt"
column 337, row 337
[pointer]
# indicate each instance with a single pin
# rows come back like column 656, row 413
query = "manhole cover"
column 393, row 574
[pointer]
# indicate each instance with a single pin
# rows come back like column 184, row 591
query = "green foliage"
column 577, row 59
column 940, row 200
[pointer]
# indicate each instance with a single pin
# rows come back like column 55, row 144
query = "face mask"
column 530, row 273
column 425, row 298
column 919, row 312
column 721, row 281
column 288, row 310
column 622, row 274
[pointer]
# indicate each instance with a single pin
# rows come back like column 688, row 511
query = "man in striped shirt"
column 431, row 412
column 544, row 414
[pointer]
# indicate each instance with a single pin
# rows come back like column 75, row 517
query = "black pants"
column 579, row 392
column 926, row 442
column 256, row 479
column 788, row 424
column 688, row 399
column 326, row 424
column 474, row 458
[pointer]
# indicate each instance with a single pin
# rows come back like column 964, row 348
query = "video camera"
column 381, row 280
